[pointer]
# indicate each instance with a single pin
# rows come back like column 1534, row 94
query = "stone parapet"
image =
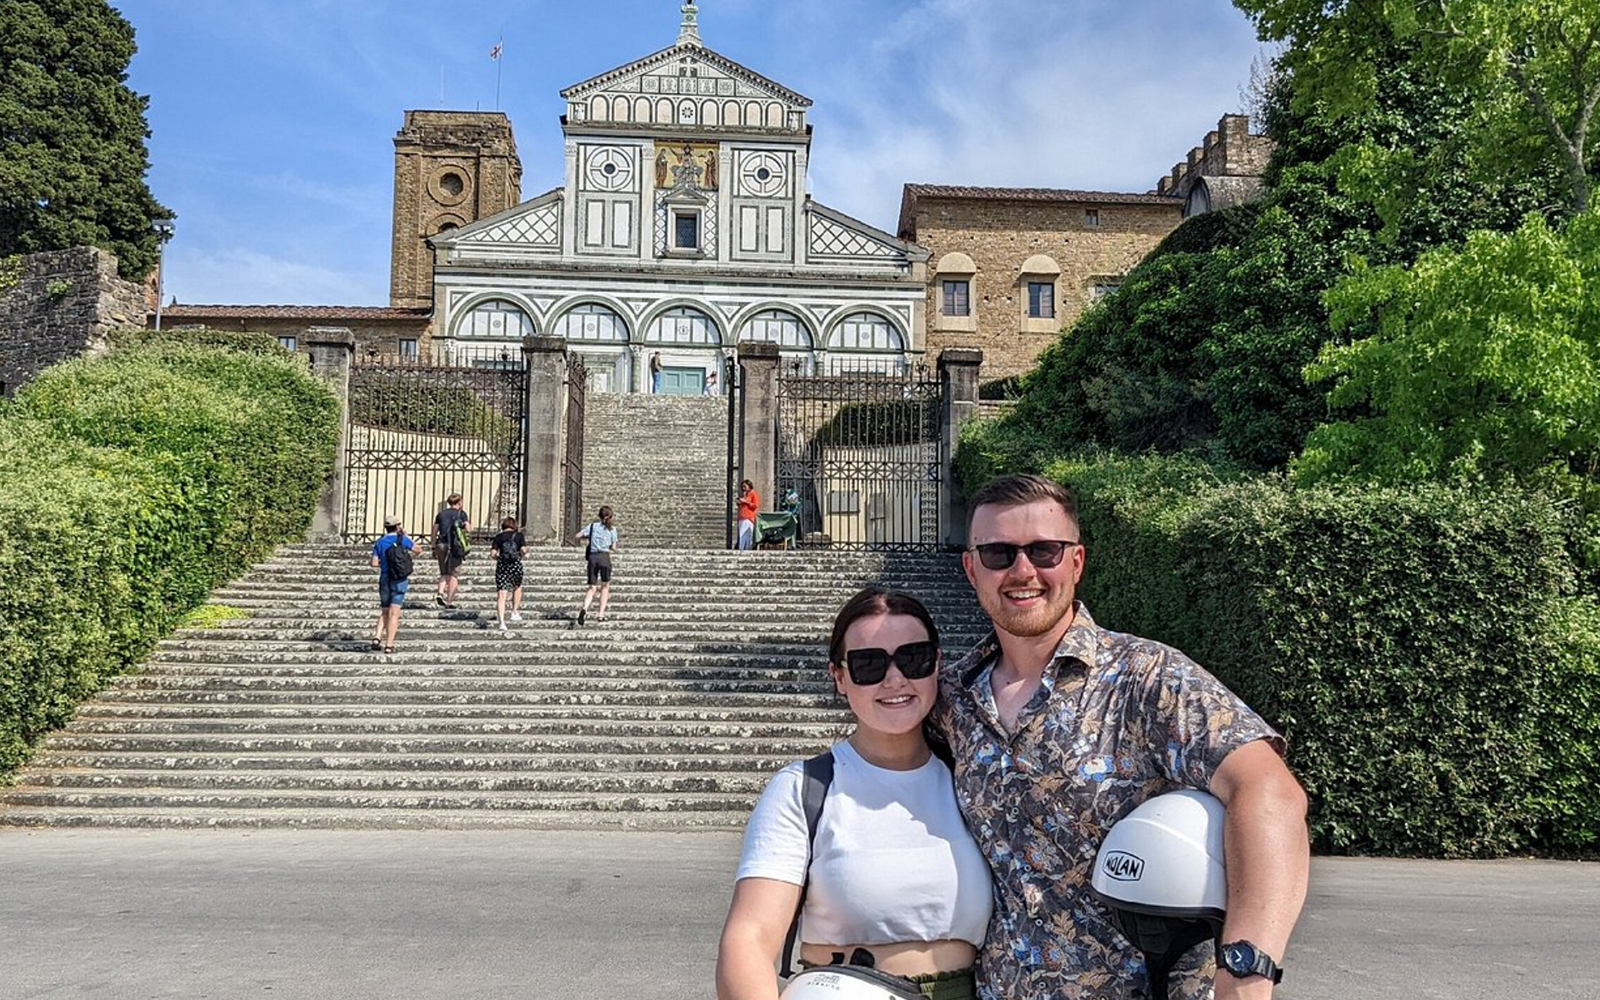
column 58, row 305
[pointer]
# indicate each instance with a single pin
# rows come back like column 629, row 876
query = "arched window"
column 592, row 323
column 683, row 325
column 774, row 326
column 865, row 332
column 495, row 319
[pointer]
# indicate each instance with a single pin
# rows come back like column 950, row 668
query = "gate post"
column 332, row 349
column 958, row 376
column 545, row 445
column 759, row 384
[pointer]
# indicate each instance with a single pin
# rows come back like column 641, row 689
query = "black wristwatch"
column 1241, row 958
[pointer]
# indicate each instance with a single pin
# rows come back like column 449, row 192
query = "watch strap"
column 1263, row 966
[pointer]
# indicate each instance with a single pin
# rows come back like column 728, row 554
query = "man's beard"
column 1026, row 623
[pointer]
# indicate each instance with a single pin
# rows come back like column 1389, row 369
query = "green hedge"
column 1420, row 647
column 134, row 483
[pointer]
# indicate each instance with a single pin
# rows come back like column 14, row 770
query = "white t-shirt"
column 893, row 861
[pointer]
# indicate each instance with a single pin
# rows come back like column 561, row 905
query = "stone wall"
column 1001, row 237
column 1229, row 151
column 58, row 305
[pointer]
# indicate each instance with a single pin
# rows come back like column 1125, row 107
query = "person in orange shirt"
column 749, row 503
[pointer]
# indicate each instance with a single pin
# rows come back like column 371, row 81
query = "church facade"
column 682, row 229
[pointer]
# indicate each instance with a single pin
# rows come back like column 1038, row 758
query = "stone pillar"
column 759, row 383
column 545, row 447
column 637, row 363
column 332, row 349
column 958, row 374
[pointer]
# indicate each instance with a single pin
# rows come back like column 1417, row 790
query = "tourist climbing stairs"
column 672, row 713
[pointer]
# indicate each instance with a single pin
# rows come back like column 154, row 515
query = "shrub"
column 1416, row 646
column 133, row 484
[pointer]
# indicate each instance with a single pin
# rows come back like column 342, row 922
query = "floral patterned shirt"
column 1117, row 719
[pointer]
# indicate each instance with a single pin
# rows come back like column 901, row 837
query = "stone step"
column 740, row 783
column 110, row 764
column 267, row 670
column 101, row 709
column 332, row 728
column 185, row 817
column 602, row 745
column 519, row 801
column 740, row 697
column 708, row 677
column 745, row 664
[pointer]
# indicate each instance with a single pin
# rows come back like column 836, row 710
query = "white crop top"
column 893, row 861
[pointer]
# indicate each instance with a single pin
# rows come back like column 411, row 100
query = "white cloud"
column 1089, row 94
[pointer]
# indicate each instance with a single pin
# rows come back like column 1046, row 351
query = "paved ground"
column 286, row 915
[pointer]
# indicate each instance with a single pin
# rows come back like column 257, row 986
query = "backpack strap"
column 818, row 776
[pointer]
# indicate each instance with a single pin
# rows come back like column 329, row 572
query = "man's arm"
column 1268, row 853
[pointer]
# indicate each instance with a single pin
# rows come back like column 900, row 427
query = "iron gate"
column 860, row 451
column 422, row 428
column 572, row 461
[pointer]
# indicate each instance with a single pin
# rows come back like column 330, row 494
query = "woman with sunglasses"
column 892, row 870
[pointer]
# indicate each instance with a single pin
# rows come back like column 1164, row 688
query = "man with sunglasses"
column 1059, row 728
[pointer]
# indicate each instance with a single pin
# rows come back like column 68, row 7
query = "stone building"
column 683, row 227
column 1226, row 171
column 386, row 330
column 1010, row 267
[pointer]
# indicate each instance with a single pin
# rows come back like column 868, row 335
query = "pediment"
column 838, row 238
column 663, row 73
column 682, row 73
column 534, row 225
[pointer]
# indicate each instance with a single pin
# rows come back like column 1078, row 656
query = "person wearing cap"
column 391, row 593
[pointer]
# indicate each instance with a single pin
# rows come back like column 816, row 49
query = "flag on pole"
column 494, row 53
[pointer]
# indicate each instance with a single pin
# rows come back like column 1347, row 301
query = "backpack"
column 508, row 546
column 460, row 544
column 397, row 560
column 813, row 793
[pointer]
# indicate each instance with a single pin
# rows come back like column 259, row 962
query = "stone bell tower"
column 451, row 168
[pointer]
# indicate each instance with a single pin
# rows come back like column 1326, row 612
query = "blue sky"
column 272, row 120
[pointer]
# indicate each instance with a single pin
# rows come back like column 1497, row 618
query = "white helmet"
column 848, row 982
column 1162, row 873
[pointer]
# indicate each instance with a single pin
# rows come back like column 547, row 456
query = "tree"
column 1485, row 366
column 72, row 134
column 1530, row 68
column 1206, row 343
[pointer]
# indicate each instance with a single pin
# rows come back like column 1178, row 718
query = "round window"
column 763, row 174
column 452, row 184
column 609, row 169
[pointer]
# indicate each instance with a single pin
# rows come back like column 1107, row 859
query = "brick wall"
column 1001, row 236
column 57, row 305
column 451, row 168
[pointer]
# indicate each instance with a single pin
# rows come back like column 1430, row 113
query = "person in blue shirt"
column 392, row 585
column 602, row 539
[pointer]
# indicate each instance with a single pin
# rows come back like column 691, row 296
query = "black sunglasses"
column 1044, row 553
column 916, row 660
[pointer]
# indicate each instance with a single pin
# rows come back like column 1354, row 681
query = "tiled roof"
column 1036, row 194
column 908, row 200
column 369, row 313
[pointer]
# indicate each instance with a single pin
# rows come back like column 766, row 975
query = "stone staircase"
column 661, row 463
column 708, row 676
